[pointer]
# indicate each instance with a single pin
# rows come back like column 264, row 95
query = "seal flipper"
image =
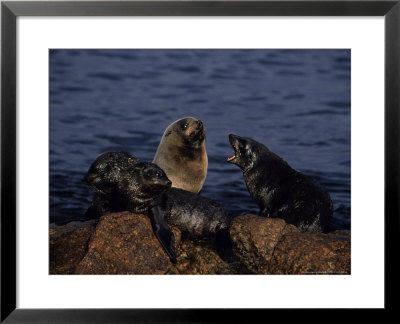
column 158, row 217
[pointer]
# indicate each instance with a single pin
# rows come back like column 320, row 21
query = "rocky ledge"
column 124, row 243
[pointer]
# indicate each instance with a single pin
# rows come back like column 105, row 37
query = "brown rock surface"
column 270, row 246
column 56, row 230
column 124, row 243
column 306, row 253
column 68, row 247
column 201, row 258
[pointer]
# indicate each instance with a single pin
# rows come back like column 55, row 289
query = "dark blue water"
column 296, row 102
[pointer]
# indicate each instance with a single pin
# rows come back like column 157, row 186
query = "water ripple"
column 297, row 102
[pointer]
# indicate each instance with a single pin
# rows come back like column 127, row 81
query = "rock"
column 124, row 243
column 255, row 238
column 270, row 246
column 56, row 230
column 67, row 248
column 196, row 257
column 306, row 253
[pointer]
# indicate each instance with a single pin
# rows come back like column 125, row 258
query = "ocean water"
column 296, row 102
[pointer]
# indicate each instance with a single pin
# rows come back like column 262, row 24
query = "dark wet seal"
column 279, row 190
column 124, row 183
column 143, row 187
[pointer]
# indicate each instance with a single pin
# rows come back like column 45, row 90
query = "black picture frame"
column 10, row 10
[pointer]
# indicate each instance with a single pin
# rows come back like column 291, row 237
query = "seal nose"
column 90, row 178
column 199, row 125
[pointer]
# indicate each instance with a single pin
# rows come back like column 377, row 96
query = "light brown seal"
column 182, row 154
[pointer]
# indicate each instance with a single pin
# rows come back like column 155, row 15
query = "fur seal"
column 102, row 176
column 199, row 217
column 143, row 187
column 123, row 183
column 106, row 170
column 279, row 190
column 194, row 214
column 182, row 154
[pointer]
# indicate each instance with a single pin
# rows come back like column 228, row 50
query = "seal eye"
column 153, row 174
column 184, row 126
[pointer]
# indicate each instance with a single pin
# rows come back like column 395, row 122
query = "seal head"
column 182, row 154
column 246, row 153
column 123, row 183
column 106, row 170
column 141, row 190
column 141, row 186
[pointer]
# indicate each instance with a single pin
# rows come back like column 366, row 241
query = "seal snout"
column 161, row 184
column 233, row 139
column 91, row 179
column 199, row 129
column 165, row 182
column 196, row 131
column 199, row 125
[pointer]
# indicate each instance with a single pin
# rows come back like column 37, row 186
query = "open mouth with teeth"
column 234, row 142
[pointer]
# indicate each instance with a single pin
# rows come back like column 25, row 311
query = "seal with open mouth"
column 182, row 154
column 279, row 190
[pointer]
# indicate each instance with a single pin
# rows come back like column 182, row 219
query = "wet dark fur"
column 199, row 217
column 106, row 170
column 136, row 189
column 279, row 190
column 124, row 183
column 103, row 177
column 121, row 186
column 196, row 215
